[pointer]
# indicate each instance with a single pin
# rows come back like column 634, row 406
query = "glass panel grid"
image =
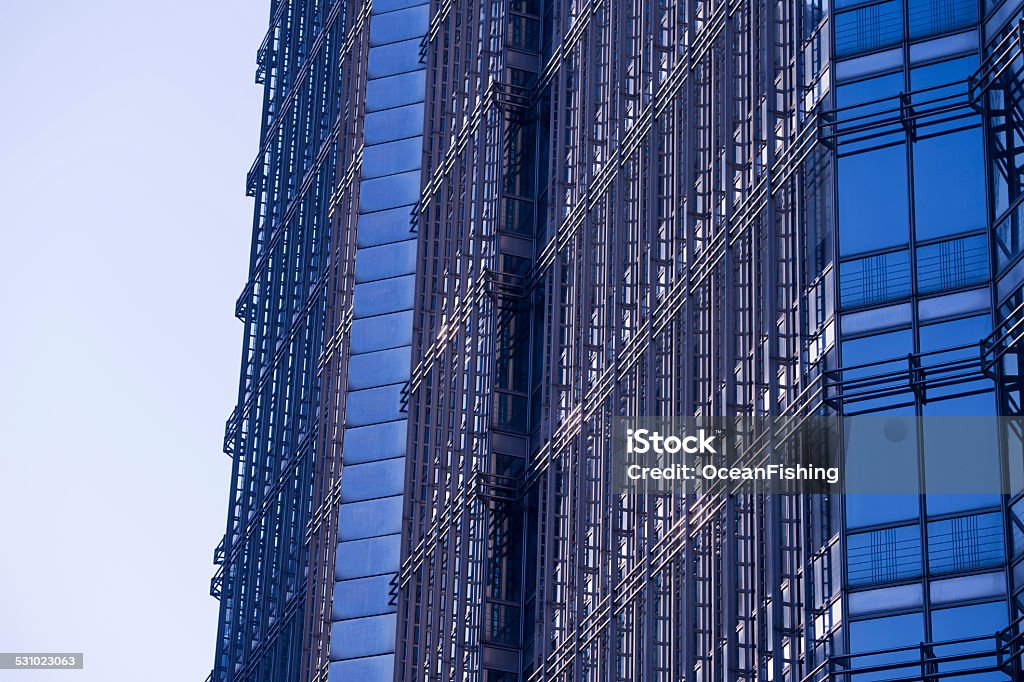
column 929, row 17
column 875, row 279
column 965, row 543
column 951, row 264
column 884, row 555
column 869, row 28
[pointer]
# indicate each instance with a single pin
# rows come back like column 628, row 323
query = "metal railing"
column 1004, row 338
column 999, row 60
column 883, row 122
column 914, row 373
column 999, row 652
column 921, row 373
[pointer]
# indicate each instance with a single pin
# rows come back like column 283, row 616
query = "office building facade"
column 484, row 231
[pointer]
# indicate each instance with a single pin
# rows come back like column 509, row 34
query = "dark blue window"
column 885, row 555
column 868, row 92
column 866, row 510
column 965, row 543
column 963, row 622
column 953, row 263
column 944, row 335
column 955, row 332
column 872, row 349
column 869, row 28
column 928, row 17
column 875, row 279
column 866, row 113
column 873, row 200
column 943, row 453
column 949, row 187
column 949, row 169
column 943, row 73
column 886, row 633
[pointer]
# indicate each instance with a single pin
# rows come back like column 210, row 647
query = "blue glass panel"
column 941, row 73
column 944, row 335
column 869, row 90
column 375, row 443
column 884, row 555
column 877, row 347
column 949, row 184
column 509, row 411
column 942, row 450
column 406, row 24
column 882, row 353
column 929, row 17
column 373, row 479
column 869, row 28
column 965, row 543
column 868, row 510
column 370, row 669
column 866, row 113
column 396, row 58
column 386, row 261
column 363, row 637
column 873, row 201
column 886, row 441
column 875, row 279
column 396, row 91
column 362, row 597
column 955, row 333
column 965, row 622
column 886, row 633
column 953, row 263
column 503, row 623
column 370, row 518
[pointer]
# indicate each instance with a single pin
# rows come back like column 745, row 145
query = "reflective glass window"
column 886, row 633
column 869, row 28
column 885, row 555
column 941, row 335
column 867, row 510
column 963, row 622
column 873, row 201
column 929, row 17
column 873, row 349
column 875, row 279
column 965, row 543
column 952, row 263
column 949, row 184
column 944, row 454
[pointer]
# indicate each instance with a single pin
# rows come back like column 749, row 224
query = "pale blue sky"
column 126, row 129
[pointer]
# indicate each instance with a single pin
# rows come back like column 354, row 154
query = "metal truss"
column 627, row 209
column 680, row 196
column 271, row 581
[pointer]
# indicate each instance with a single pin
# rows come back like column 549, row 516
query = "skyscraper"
column 484, row 231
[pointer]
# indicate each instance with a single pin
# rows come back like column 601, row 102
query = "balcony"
column 1000, row 652
column 921, row 375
